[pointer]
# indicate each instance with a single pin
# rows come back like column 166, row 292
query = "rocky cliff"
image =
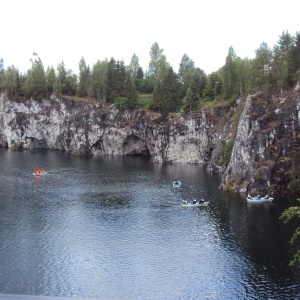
column 265, row 133
column 266, row 152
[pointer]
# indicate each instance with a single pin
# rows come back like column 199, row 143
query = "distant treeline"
column 271, row 71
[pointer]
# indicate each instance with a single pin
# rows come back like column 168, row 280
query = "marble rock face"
column 265, row 133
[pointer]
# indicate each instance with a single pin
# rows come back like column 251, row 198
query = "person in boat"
column 201, row 201
column 267, row 197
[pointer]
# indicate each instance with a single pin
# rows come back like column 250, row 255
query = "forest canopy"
column 271, row 71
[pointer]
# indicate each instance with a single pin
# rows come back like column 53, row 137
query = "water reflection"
column 113, row 228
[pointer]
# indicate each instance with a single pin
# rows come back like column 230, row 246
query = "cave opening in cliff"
column 138, row 152
column 134, row 146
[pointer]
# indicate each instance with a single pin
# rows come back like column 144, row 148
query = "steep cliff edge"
column 264, row 134
column 266, row 152
column 100, row 129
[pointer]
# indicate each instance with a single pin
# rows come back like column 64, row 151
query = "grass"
column 144, row 101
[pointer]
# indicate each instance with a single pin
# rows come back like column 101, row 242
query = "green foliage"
column 144, row 85
column 84, row 83
column 260, row 71
column 213, row 86
column 225, row 152
column 10, row 81
column 196, row 80
column 99, row 79
column 71, row 83
column 155, row 55
column 295, row 53
column 237, row 116
column 116, row 76
column 270, row 71
column 36, row 78
column 134, row 65
column 167, row 93
column 61, row 79
column 130, row 90
column 185, row 65
column 144, row 100
column 188, row 100
column 50, row 80
column 289, row 214
column 1, row 71
column 229, row 74
column 295, row 185
column 121, row 103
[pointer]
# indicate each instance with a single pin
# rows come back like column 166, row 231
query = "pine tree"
column 229, row 75
column 130, row 90
column 167, row 93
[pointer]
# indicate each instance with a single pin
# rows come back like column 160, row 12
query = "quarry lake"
column 113, row 228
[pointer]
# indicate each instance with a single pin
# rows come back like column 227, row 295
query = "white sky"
column 97, row 29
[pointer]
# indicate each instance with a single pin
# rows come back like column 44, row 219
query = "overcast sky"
column 97, row 29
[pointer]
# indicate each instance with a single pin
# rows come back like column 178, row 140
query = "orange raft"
column 39, row 172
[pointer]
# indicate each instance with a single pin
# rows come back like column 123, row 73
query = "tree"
column 121, row 103
column 111, row 80
column 213, row 86
column 120, row 74
column 116, row 75
column 289, row 214
column 130, row 90
column 1, row 71
column 283, row 62
column 36, row 78
column 188, row 100
column 71, row 83
column 155, row 56
column 128, row 98
column 61, row 80
column 185, row 65
column 242, row 69
column 229, row 76
column 50, row 80
column 84, row 79
column 99, row 79
column 296, row 58
column 196, row 80
column 261, row 69
column 167, row 93
column 134, row 65
column 11, row 81
column 140, row 81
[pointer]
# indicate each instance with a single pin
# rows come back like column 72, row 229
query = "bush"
column 295, row 185
column 121, row 103
column 225, row 152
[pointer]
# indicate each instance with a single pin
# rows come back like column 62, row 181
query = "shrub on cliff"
column 287, row 216
column 225, row 152
column 121, row 103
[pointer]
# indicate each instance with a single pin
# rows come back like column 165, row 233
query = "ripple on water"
column 114, row 229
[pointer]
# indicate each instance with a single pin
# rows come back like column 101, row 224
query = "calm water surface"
column 112, row 228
